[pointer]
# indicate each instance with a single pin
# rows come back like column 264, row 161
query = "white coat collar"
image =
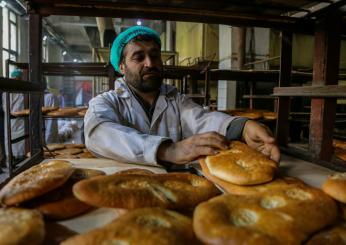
column 122, row 90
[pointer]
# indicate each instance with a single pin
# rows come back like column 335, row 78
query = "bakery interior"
column 280, row 63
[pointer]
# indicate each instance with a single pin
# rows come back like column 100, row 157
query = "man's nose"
column 149, row 61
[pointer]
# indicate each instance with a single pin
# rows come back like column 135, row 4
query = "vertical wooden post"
column 326, row 70
column 283, row 103
column 111, row 77
column 35, row 76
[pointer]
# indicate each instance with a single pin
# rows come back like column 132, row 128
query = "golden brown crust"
column 277, row 183
column 135, row 171
column 241, row 165
column 20, row 113
column 270, row 115
column 339, row 144
column 335, row 186
column 21, row 226
column 332, row 236
column 80, row 146
column 254, row 115
column 340, row 153
column 130, row 191
column 149, row 226
column 274, row 217
column 54, row 147
column 46, row 109
column 85, row 155
column 64, row 112
column 69, row 151
column 35, row 181
column 60, row 203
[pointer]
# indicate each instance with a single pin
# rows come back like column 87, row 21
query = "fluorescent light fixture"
column 3, row 4
column 44, row 38
column 74, row 60
column 64, row 53
column 139, row 22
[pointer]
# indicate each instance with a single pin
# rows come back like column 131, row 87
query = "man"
column 146, row 121
column 16, row 101
column 51, row 125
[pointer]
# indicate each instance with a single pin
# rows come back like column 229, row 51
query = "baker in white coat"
column 16, row 101
column 51, row 125
column 146, row 121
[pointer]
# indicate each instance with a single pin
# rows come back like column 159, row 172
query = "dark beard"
column 150, row 84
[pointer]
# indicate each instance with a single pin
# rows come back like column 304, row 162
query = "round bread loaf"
column 87, row 154
column 21, row 113
column 278, row 183
column 35, row 181
column 69, row 151
column 335, row 186
column 275, row 217
column 241, row 165
column 269, row 115
column 147, row 226
column 64, row 112
column 46, row 109
column 21, row 226
column 61, row 203
column 332, row 236
column 130, row 191
column 54, row 147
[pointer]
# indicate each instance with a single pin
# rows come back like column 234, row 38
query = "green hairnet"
column 125, row 37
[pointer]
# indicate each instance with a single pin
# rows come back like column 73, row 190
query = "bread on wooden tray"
column 274, row 217
column 35, row 181
column 241, row 165
column 147, row 226
column 281, row 182
column 130, row 191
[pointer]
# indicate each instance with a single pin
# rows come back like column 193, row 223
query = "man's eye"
column 138, row 57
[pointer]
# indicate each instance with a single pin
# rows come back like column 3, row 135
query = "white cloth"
column 51, row 125
column 117, row 127
column 17, row 124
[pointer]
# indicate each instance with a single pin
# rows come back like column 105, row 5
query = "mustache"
column 152, row 70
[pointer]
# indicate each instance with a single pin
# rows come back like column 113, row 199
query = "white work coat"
column 51, row 125
column 17, row 125
column 117, row 127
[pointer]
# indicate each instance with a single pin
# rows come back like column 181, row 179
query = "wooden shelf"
column 332, row 91
column 18, row 86
column 249, row 96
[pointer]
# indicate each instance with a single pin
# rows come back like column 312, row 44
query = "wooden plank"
column 232, row 15
column 35, row 76
column 326, row 68
column 328, row 91
column 12, row 85
column 283, row 104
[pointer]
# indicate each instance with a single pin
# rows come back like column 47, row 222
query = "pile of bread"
column 66, row 151
column 256, row 206
column 253, row 114
column 54, row 111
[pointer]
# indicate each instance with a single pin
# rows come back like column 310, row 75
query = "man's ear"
column 122, row 67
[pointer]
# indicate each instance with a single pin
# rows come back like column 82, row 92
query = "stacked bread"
column 258, row 207
column 54, row 111
column 67, row 151
column 253, row 114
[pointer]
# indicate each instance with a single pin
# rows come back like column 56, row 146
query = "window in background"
column 9, row 37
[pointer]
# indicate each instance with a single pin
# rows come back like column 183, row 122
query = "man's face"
column 142, row 66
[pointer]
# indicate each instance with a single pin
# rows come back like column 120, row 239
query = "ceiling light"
column 64, row 53
column 44, row 38
column 74, row 60
column 3, row 4
column 139, row 22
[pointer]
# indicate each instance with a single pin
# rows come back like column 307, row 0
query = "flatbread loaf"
column 275, row 217
column 278, row 183
column 339, row 144
column 135, row 171
column 332, row 236
column 35, row 181
column 61, row 203
column 54, row 147
column 147, row 226
column 340, row 153
column 130, row 191
column 81, row 146
column 241, row 165
column 69, row 151
column 269, row 115
column 21, row 113
column 46, row 109
column 335, row 186
column 85, row 155
column 64, row 112
column 21, row 226
column 254, row 115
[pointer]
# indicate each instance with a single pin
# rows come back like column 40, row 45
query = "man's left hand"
column 259, row 137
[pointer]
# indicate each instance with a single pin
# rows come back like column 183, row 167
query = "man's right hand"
column 191, row 148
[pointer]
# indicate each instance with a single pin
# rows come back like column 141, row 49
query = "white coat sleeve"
column 196, row 120
column 108, row 135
